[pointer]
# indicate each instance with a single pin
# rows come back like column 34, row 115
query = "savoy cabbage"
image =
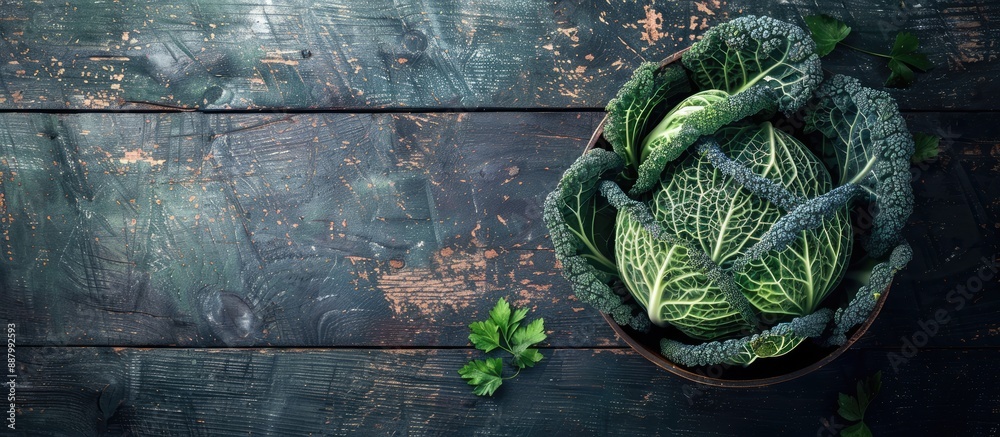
column 722, row 227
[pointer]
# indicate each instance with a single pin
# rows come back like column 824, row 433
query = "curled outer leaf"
column 584, row 216
column 773, row 342
column 576, row 217
column 752, row 50
column 873, row 149
column 759, row 185
column 759, row 61
column 665, row 145
column 629, row 112
column 808, row 215
column 861, row 306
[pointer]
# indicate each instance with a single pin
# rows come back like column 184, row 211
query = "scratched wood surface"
column 429, row 54
column 332, row 229
column 295, row 270
column 227, row 392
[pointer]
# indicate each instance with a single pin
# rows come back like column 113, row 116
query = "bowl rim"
column 654, row 356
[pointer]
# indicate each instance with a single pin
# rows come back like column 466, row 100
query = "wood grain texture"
column 230, row 392
column 323, row 266
column 373, row 230
column 955, row 233
column 431, row 54
column 337, row 229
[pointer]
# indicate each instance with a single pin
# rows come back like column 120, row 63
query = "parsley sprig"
column 827, row 32
column 926, row 147
column 503, row 331
column 853, row 408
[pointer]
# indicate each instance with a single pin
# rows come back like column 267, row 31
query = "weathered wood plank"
column 388, row 230
column 955, row 233
column 430, row 54
column 339, row 229
column 86, row 391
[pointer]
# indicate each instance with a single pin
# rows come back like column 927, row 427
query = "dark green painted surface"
column 239, row 230
column 416, row 392
column 334, row 260
column 429, row 54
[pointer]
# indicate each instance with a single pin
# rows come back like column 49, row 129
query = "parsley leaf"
column 857, row 430
column 853, row 408
column 527, row 358
column 500, row 314
column 523, row 339
column 904, row 58
column 484, row 375
column 900, row 75
column 826, row 32
column 915, row 60
column 485, row 335
column 502, row 330
column 505, row 319
column 849, row 408
column 906, row 42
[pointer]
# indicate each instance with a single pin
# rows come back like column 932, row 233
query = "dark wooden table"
column 278, row 218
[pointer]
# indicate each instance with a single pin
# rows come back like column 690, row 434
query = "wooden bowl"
column 802, row 360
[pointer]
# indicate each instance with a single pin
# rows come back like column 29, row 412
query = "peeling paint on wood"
column 236, row 392
column 289, row 240
column 406, row 54
column 452, row 283
column 270, row 229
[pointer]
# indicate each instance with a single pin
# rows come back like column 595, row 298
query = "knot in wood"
column 414, row 41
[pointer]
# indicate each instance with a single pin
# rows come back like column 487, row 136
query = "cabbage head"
column 698, row 215
column 710, row 212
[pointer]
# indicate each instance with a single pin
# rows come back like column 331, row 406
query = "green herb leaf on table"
column 916, row 60
column 900, row 75
column 904, row 58
column 826, row 32
column 863, row 399
column 870, row 388
column 853, row 408
column 500, row 314
column 527, row 358
column 905, row 50
column 926, row 147
column 525, row 337
column 506, row 319
column 857, row 430
column 485, row 335
column 484, row 375
column 502, row 330
column 849, row 408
